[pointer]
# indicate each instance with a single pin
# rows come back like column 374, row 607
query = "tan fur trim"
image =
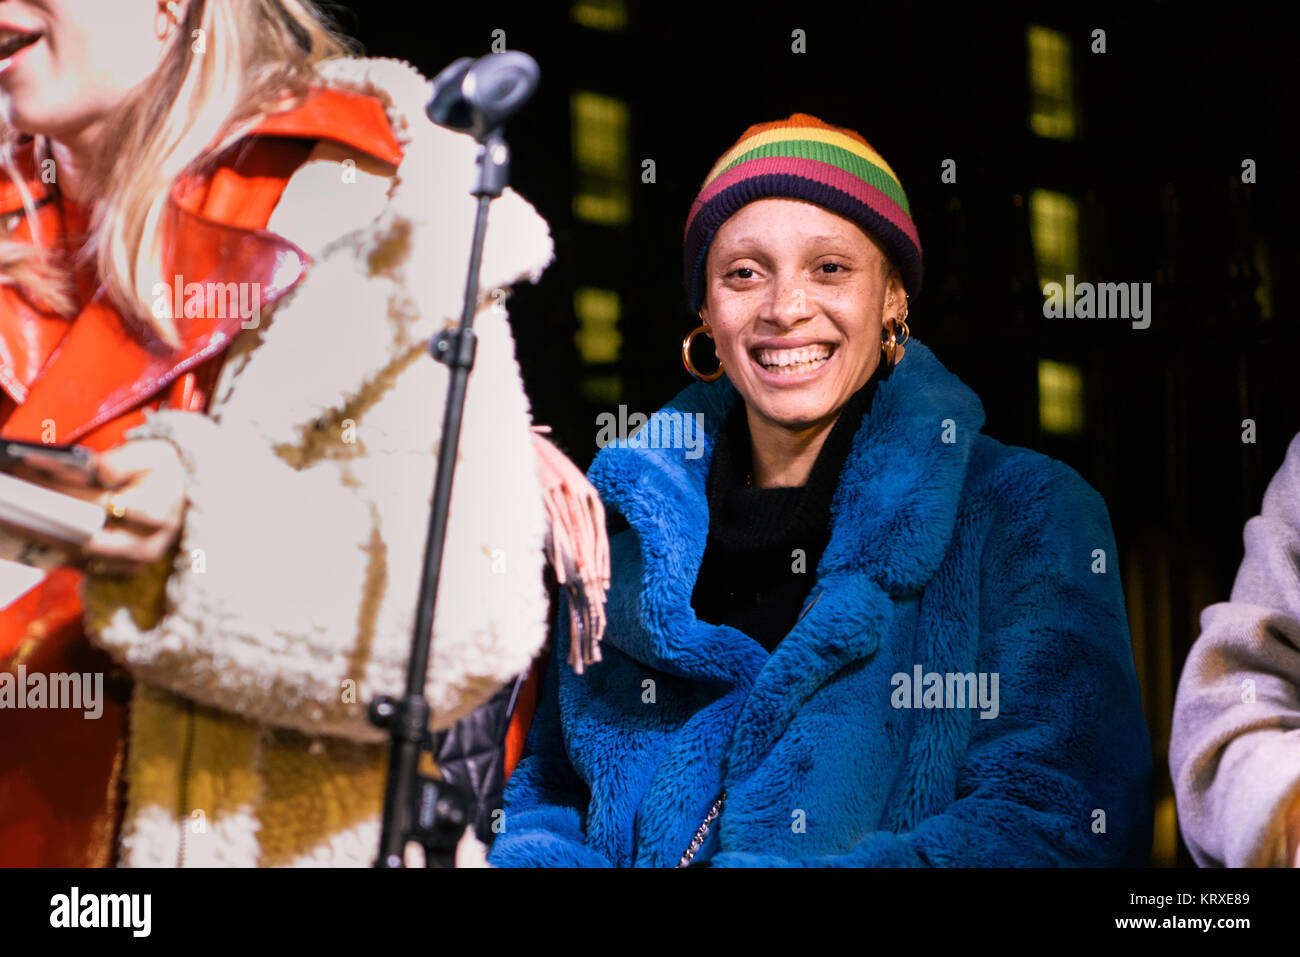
column 317, row 789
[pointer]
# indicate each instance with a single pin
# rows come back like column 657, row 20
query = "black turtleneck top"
column 752, row 576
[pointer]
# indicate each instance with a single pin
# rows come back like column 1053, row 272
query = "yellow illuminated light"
column 603, row 390
column 1051, row 84
column 1060, row 398
column 600, row 14
column 1054, row 229
column 598, row 338
column 600, row 156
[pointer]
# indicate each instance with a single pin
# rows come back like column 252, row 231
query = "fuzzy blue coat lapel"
column 892, row 520
column 818, row 762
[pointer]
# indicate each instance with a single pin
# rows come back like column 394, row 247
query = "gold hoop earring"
column 686, row 356
column 890, row 341
column 168, row 16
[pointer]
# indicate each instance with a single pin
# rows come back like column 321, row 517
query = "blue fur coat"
column 950, row 553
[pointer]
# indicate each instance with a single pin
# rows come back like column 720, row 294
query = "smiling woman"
column 847, row 524
column 791, row 261
column 269, row 455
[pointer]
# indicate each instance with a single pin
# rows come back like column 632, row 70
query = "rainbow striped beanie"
column 802, row 157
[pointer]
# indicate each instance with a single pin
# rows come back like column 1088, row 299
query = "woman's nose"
column 788, row 303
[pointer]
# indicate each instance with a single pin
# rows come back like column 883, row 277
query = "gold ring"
column 116, row 510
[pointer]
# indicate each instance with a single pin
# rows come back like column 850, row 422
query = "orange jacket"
column 89, row 379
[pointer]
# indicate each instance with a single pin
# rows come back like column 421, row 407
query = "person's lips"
column 791, row 358
column 14, row 40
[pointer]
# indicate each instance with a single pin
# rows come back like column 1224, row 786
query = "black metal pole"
column 416, row 807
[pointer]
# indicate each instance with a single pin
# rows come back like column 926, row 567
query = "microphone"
column 478, row 96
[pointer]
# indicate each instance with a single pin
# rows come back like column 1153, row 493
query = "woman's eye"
column 831, row 268
column 744, row 272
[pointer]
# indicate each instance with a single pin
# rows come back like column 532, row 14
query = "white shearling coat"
column 292, row 598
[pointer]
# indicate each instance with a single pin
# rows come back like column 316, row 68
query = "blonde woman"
column 219, row 266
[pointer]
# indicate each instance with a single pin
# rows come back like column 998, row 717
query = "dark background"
column 1144, row 142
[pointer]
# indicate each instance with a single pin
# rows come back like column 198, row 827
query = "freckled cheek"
column 728, row 319
column 727, row 301
column 853, row 311
column 727, row 344
column 844, row 306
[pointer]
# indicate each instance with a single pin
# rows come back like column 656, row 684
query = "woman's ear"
column 895, row 301
column 895, row 291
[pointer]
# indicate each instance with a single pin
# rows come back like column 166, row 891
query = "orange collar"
column 352, row 119
column 86, row 371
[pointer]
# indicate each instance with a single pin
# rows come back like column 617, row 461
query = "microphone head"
column 499, row 84
column 478, row 96
column 448, row 106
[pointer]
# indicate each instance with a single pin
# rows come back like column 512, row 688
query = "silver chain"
column 702, row 830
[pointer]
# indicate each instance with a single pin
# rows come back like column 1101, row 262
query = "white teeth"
column 793, row 360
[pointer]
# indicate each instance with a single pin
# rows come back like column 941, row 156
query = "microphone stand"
column 418, row 807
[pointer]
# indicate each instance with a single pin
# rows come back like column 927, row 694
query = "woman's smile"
column 792, row 362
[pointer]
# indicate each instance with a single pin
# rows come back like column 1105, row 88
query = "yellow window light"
column 598, row 310
column 1051, row 84
column 1054, row 229
column 600, row 157
column 1060, row 398
column 608, row 15
column 602, row 390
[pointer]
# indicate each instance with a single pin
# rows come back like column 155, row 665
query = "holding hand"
column 145, row 504
column 142, row 487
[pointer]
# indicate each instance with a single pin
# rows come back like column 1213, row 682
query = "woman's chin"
column 23, row 112
column 794, row 413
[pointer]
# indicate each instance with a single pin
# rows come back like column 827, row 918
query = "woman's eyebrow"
column 840, row 245
column 743, row 244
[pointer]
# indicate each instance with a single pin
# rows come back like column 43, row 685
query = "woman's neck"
column 781, row 457
column 72, row 159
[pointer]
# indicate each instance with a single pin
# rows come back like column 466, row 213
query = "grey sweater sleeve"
column 1235, row 748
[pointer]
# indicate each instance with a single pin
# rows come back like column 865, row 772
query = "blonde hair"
column 229, row 63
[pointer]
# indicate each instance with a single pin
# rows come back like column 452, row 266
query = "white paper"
column 30, row 507
column 42, row 510
column 16, row 580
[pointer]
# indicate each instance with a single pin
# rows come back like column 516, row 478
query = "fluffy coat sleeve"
column 1234, row 751
column 292, row 596
column 545, row 826
column 291, row 599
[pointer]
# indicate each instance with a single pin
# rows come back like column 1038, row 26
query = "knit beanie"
column 804, row 158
